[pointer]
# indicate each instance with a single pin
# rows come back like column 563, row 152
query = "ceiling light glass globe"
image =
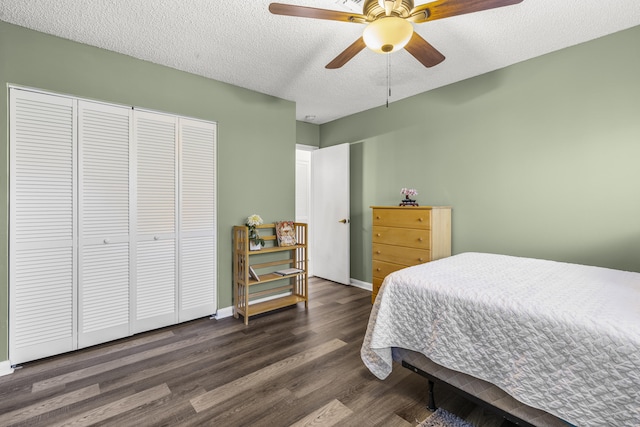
column 387, row 34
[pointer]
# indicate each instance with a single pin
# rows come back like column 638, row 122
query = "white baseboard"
column 5, row 368
column 223, row 312
column 363, row 285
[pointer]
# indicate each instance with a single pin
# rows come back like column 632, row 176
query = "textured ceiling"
column 241, row 43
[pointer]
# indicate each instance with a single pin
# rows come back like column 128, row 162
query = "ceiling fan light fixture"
column 387, row 34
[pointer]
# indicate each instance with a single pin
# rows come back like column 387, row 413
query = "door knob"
column 344, row 221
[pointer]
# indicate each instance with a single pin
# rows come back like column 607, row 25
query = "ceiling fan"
column 389, row 24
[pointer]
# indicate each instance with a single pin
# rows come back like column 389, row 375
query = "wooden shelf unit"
column 246, row 290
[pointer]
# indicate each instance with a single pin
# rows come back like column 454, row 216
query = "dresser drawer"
column 400, row 254
column 382, row 268
column 408, row 237
column 377, row 283
column 404, row 217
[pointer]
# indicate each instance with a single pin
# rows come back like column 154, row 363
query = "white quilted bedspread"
column 561, row 337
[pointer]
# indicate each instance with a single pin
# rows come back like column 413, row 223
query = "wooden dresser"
column 403, row 236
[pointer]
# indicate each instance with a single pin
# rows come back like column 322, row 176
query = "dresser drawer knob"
column 421, row 259
column 378, row 234
column 378, row 252
column 420, row 219
column 420, row 239
column 377, row 269
column 377, row 217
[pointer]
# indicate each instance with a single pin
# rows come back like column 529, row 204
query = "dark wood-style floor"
column 291, row 367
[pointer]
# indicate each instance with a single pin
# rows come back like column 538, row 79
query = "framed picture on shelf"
column 253, row 274
column 286, row 233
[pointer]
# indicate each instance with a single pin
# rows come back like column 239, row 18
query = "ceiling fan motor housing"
column 372, row 9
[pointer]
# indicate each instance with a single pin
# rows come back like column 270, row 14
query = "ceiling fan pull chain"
column 388, row 79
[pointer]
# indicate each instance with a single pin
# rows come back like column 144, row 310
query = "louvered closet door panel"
column 41, row 226
column 155, row 284
column 155, row 275
column 198, row 143
column 197, row 219
column 104, row 294
column 155, row 136
column 104, row 133
column 197, row 288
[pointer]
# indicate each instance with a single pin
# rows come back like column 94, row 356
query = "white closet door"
column 155, row 292
column 197, row 243
column 42, row 265
column 103, row 263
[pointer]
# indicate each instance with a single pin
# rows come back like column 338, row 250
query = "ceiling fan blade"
column 423, row 51
column 347, row 54
column 446, row 8
column 312, row 12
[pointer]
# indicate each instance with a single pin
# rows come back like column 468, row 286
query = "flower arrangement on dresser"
column 408, row 194
column 255, row 241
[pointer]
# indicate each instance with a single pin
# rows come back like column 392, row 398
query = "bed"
column 561, row 340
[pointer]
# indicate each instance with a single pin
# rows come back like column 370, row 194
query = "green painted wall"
column 539, row 159
column 252, row 128
column 307, row 134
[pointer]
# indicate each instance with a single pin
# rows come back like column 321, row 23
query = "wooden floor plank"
column 247, row 411
column 326, row 416
column 104, row 350
column 107, row 411
column 158, row 368
column 250, row 381
column 114, row 364
column 48, row 405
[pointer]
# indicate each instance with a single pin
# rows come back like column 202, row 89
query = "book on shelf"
column 288, row 271
column 286, row 233
column 253, row 274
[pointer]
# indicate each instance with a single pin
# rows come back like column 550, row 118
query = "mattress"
column 564, row 338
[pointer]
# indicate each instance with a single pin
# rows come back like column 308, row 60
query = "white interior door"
column 103, row 222
column 42, row 224
column 330, row 201
column 155, row 293
column 197, row 232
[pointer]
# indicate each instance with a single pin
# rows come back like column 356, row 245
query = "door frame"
column 309, row 207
